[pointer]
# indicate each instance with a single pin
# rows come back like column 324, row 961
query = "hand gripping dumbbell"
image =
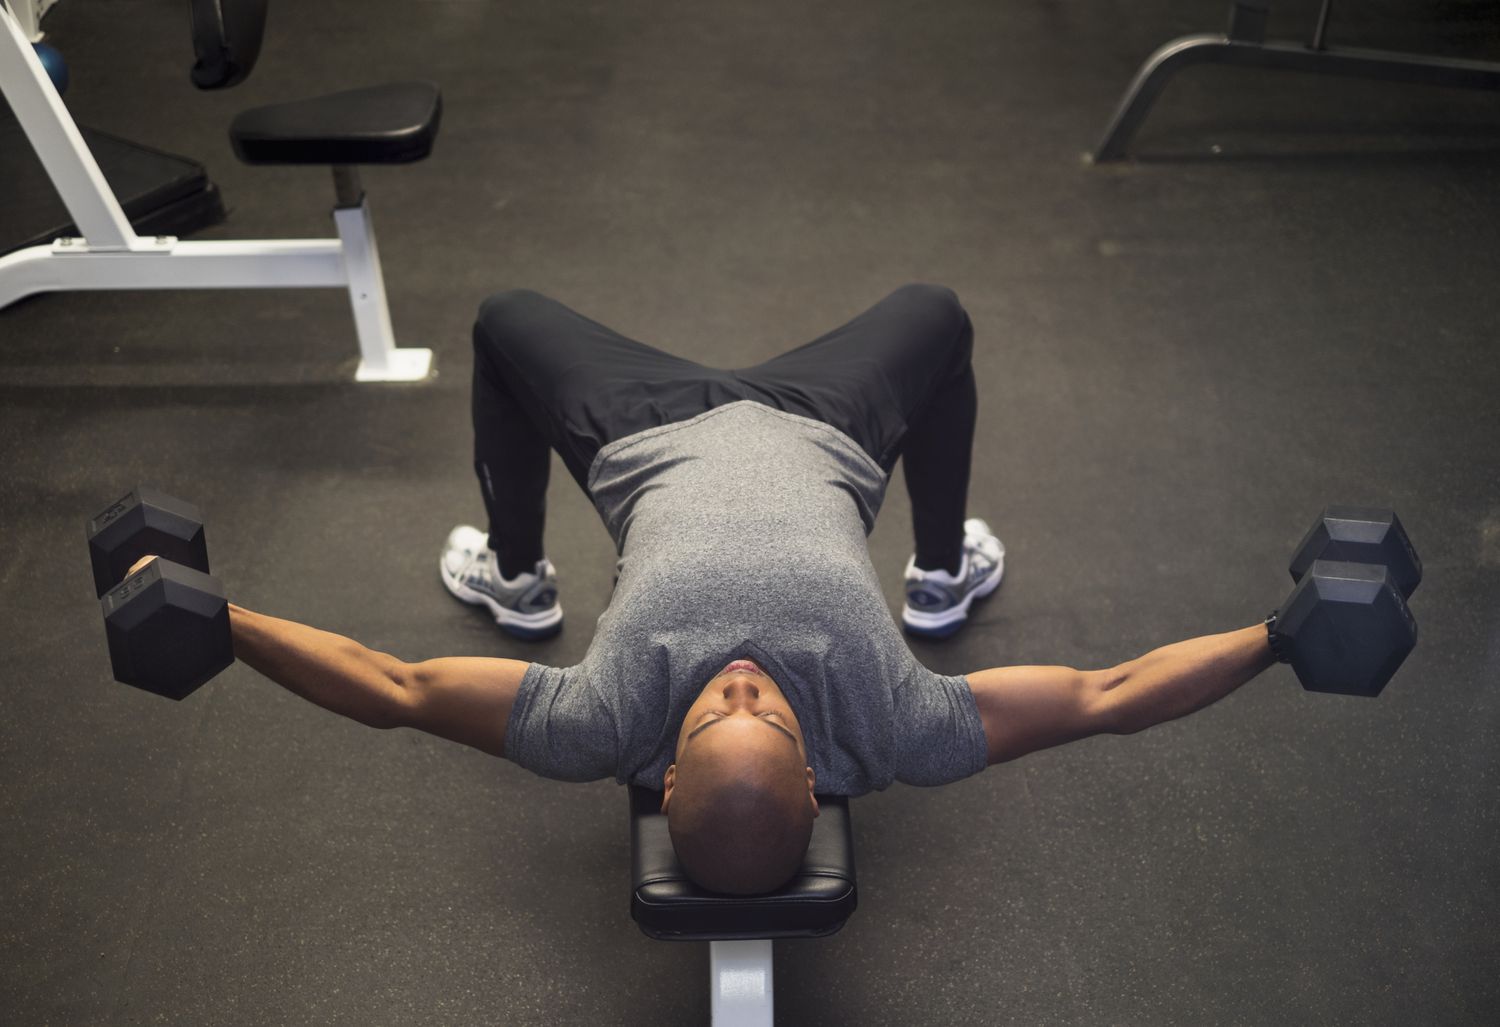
column 1346, row 626
column 167, row 624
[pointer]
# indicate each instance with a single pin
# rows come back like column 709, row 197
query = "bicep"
column 464, row 699
column 1024, row 709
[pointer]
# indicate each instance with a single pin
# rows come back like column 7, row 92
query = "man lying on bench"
column 747, row 657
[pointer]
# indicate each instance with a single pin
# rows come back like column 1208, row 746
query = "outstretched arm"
column 1024, row 709
column 465, row 699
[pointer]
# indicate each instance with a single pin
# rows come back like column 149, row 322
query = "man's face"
column 742, row 715
column 740, row 696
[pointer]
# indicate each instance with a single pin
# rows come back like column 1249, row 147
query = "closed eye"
column 768, row 713
column 713, row 717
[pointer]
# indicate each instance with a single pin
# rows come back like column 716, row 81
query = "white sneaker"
column 525, row 606
column 937, row 603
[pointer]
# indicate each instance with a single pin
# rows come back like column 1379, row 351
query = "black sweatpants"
column 897, row 380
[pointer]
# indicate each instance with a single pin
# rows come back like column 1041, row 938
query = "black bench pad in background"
column 389, row 124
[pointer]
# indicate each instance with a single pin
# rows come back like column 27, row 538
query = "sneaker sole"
column 942, row 625
column 529, row 626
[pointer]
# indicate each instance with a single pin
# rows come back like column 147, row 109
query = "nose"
column 741, row 689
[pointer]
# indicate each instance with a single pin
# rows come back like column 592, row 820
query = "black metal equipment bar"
column 1322, row 28
column 1243, row 45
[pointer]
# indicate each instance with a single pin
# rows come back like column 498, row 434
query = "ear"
column 667, row 783
column 812, row 782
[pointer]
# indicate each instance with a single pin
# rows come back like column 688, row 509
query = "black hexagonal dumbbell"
column 1346, row 627
column 168, row 623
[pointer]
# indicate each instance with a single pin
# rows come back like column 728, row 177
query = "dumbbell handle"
column 140, row 565
column 1281, row 646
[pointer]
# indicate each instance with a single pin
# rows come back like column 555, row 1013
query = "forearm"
column 1178, row 679
column 335, row 672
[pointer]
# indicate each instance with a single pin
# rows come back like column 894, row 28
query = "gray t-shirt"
column 741, row 533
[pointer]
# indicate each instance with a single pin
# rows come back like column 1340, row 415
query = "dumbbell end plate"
column 168, row 629
column 141, row 523
column 1349, row 628
column 1361, row 534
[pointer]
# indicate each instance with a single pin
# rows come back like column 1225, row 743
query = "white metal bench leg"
column 741, row 980
column 380, row 360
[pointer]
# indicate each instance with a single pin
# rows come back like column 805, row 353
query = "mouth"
column 742, row 666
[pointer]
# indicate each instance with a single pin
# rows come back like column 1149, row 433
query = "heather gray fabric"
column 741, row 533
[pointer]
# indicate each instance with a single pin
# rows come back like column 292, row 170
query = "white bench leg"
column 740, row 973
column 380, row 360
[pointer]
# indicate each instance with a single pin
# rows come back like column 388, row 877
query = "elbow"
column 402, row 691
column 1110, row 710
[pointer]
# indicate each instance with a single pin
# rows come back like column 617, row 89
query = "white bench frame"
column 740, row 975
column 111, row 256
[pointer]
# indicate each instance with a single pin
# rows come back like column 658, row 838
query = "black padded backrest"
column 669, row 907
column 226, row 40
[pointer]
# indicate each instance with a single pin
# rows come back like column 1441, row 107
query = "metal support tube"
column 347, row 190
column 166, row 263
column 740, row 973
column 380, row 360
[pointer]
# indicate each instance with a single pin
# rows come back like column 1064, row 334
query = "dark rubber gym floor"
column 1288, row 299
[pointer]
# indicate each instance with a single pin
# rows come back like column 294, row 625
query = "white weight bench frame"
column 109, row 255
column 741, row 981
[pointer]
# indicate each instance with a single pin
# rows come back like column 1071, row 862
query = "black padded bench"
column 740, row 929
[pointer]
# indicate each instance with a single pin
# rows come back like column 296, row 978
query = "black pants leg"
column 896, row 379
column 513, row 460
